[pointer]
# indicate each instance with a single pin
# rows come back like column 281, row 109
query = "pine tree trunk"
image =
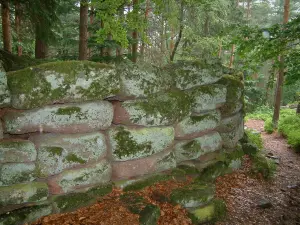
column 91, row 22
column 231, row 57
column 280, row 79
column 146, row 18
column 6, row 33
column 83, row 31
column 134, row 36
column 41, row 48
column 18, row 27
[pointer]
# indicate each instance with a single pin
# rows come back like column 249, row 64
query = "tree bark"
column 248, row 9
column 6, row 29
column 146, row 18
column 298, row 108
column 83, row 30
column 231, row 56
column 41, row 48
column 134, row 37
column 280, row 78
column 180, row 32
column 18, row 27
column 91, row 22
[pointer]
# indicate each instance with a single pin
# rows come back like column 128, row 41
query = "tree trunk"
column 83, row 30
column 91, row 22
column 41, row 48
column 248, row 9
column 18, row 27
column 6, row 33
column 134, row 36
column 146, row 18
column 180, row 33
column 231, row 57
column 280, row 79
column 298, row 108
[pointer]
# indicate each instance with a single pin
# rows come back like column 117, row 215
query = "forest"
column 255, row 41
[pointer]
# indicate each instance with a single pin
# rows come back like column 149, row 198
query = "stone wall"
column 70, row 130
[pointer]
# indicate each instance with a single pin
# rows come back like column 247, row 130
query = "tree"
column 83, row 30
column 280, row 78
column 18, row 27
column 6, row 29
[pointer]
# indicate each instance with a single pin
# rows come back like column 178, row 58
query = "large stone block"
column 14, row 151
column 189, row 74
column 68, row 118
column 207, row 97
column 230, row 108
column 196, row 125
column 57, row 152
column 25, row 215
column 14, row 173
column 22, row 193
column 141, row 79
column 70, row 180
column 230, row 139
column 155, row 163
column 234, row 87
column 230, row 123
column 187, row 150
column 134, row 143
column 158, row 110
column 4, row 92
column 62, row 82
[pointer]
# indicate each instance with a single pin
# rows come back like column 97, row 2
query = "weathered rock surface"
column 189, row 74
column 207, row 97
column 57, row 152
column 230, row 139
column 187, row 150
column 14, row 151
column 70, row 180
column 230, row 108
column 68, row 118
column 4, row 92
column 142, row 79
column 132, row 143
column 155, row 163
column 158, row 110
column 196, row 125
column 25, row 215
column 230, row 123
column 14, row 173
column 62, row 82
column 22, row 193
column 234, row 87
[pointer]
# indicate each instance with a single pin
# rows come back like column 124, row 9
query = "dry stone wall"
column 72, row 129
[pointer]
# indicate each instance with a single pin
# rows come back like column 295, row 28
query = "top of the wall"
column 78, row 81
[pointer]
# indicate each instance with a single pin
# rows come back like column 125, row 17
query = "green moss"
column 127, row 146
column 149, row 215
column 188, row 169
column 210, row 173
column 192, row 147
column 254, row 138
column 250, row 149
column 196, row 119
column 234, row 87
column 40, row 194
column 147, row 182
column 134, row 202
column 262, row 165
column 71, row 157
column 68, row 110
column 172, row 106
column 100, row 190
column 54, row 151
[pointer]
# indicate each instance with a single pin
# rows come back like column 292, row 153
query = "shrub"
column 269, row 126
column 254, row 138
column 261, row 113
column 289, row 126
column 266, row 167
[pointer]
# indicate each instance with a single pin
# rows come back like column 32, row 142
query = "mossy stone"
column 17, row 151
column 73, row 201
column 212, row 212
column 22, row 193
column 193, row 149
column 231, row 139
column 149, row 215
column 129, row 143
column 14, row 173
column 210, row 173
column 64, row 81
column 193, row 195
column 140, row 184
column 234, row 87
column 228, row 124
column 25, row 215
column 4, row 92
column 250, row 149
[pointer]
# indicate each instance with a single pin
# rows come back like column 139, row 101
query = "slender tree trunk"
column 6, row 32
column 280, row 78
column 231, row 56
column 102, row 50
column 298, row 108
column 146, row 18
column 180, row 33
column 18, row 27
column 134, row 36
column 83, row 30
column 248, row 9
column 41, row 48
column 162, row 37
column 91, row 22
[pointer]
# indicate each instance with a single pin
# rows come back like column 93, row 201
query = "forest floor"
column 249, row 199
column 252, row 200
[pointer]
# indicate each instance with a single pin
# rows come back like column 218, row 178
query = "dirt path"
column 255, row 201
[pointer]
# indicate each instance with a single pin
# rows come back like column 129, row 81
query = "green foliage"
column 254, row 138
column 264, row 166
column 268, row 127
column 289, row 126
column 261, row 113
